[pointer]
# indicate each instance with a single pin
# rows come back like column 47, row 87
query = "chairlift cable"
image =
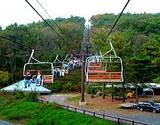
column 40, row 4
column 115, row 23
column 45, row 22
column 61, row 32
column 95, row 72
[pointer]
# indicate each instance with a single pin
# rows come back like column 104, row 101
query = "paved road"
column 146, row 117
column 4, row 123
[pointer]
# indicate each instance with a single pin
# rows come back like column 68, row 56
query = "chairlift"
column 60, row 66
column 106, row 67
column 57, row 63
column 46, row 68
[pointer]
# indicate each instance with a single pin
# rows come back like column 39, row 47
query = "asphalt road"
column 145, row 117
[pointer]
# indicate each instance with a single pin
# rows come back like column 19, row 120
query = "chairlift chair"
column 106, row 67
column 36, row 66
column 59, row 65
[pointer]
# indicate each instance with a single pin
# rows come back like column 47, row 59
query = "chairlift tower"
column 84, row 53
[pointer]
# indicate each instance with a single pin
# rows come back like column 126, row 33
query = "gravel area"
column 57, row 98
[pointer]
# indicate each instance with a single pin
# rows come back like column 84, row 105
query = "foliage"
column 68, row 83
column 135, row 38
column 136, row 41
column 56, row 86
column 91, row 89
column 39, row 37
column 4, row 78
column 157, row 80
column 44, row 114
column 29, row 96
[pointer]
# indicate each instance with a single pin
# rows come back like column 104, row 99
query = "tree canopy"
column 40, row 37
column 135, row 39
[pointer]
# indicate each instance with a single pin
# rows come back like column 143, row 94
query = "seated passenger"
column 28, row 78
column 39, row 78
column 34, row 78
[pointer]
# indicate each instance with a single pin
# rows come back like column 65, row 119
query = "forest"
column 135, row 39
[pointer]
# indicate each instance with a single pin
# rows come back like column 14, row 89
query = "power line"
column 115, row 23
column 45, row 22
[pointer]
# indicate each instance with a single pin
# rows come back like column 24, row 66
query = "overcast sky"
column 19, row 11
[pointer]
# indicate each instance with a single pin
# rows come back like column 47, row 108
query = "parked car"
column 148, row 91
column 148, row 106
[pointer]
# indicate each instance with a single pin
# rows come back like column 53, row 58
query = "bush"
column 55, row 87
column 157, row 80
column 92, row 90
column 68, row 87
column 4, row 78
column 29, row 96
column 69, row 83
column 19, row 95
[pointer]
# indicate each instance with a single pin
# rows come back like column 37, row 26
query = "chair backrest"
column 48, row 79
column 104, row 69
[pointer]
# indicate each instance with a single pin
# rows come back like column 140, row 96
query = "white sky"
column 19, row 11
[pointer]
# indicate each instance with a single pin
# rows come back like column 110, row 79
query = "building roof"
column 20, row 86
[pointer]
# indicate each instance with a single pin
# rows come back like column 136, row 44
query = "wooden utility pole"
column 136, row 86
column 104, row 94
column 84, row 52
column 82, row 80
column 123, row 83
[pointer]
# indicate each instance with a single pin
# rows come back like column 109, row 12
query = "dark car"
column 148, row 106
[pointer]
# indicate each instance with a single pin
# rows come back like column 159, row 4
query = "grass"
column 33, row 113
column 73, row 99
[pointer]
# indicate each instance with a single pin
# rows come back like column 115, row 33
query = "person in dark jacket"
column 28, row 78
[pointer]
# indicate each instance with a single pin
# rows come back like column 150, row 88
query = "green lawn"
column 33, row 113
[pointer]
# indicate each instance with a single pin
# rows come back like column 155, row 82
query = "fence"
column 118, row 120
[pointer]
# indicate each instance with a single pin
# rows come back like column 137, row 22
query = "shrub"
column 68, row 87
column 157, row 80
column 56, row 86
column 69, row 83
column 92, row 89
column 19, row 95
column 4, row 78
column 29, row 96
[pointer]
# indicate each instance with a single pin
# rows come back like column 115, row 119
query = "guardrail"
column 118, row 120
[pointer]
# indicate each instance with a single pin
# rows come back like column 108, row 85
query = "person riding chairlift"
column 39, row 78
column 28, row 79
